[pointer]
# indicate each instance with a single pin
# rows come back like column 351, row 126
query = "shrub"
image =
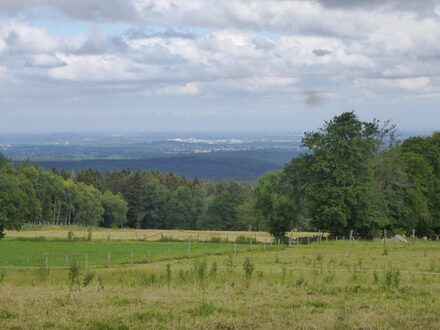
column 245, row 240
column 248, row 268
column 150, row 280
column 88, row 278
column 89, row 234
column 215, row 239
column 200, row 268
column 213, row 271
column 168, row 275
column 74, row 275
column 203, row 309
column 229, row 263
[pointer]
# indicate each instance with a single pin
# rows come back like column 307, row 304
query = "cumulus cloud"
column 321, row 50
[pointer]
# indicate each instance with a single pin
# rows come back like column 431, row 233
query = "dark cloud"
column 81, row 9
column 263, row 43
column 312, row 98
column 321, row 52
column 423, row 6
column 99, row 42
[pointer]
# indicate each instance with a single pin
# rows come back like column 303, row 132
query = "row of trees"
column 31, row 194
column 121, row 198
column 355, row 176
column 162, row 201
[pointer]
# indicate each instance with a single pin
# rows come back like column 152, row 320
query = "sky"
column 209, row 65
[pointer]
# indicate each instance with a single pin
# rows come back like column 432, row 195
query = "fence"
column 103, row 254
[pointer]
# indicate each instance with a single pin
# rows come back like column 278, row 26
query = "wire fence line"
column 128, row 258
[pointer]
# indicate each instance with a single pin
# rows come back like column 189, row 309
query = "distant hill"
column 203, row 166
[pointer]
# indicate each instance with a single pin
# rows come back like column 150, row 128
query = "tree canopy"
column 355, row 176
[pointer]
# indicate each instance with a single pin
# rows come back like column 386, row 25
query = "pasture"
column 327, row 285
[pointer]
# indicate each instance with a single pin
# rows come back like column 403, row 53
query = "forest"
column 352, row 175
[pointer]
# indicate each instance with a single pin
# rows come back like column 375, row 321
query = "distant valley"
column 205, row 156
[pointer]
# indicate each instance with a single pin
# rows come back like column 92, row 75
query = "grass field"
column 332, row 285
column 23, row 253
column 57, row 232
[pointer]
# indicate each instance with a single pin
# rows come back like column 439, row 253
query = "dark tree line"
column 169, row 201
column 29, row 194
column 355, row 176
column 141, row 199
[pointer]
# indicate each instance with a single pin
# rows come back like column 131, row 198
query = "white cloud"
column 20, row 37
column 416, row 84
column 94, row 68
column 177, row 90
column 320, row 51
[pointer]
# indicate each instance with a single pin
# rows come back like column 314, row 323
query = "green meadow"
column 327, row 285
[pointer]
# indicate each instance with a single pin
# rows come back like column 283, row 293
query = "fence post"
column 235, row 247
column 385, row 252
column 308, row 240
column 351, row 236
column 189, row 248
column 47, row 262
column 131, row 258
column 109, row 259
column 149, row 256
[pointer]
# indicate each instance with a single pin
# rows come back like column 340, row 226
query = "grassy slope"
column 328, row 286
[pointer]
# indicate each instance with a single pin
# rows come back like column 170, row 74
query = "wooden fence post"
column 189, row 248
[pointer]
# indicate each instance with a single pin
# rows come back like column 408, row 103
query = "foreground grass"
column 329, row 286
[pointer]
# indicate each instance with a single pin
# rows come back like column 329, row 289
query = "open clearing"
column 331, row 285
